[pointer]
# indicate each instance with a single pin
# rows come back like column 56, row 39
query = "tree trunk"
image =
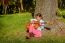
column 5, row 4
column 48, row 10
column 21, row 5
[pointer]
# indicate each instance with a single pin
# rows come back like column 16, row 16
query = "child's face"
column 38, row 18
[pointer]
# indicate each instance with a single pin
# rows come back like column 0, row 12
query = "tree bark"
column 48, row 10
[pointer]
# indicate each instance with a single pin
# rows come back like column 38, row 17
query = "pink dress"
column 36, row 32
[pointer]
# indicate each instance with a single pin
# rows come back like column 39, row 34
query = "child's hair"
column 38, row 14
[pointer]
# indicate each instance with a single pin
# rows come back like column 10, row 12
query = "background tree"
column 5, row 4
column 61, row 4
column 21, row 5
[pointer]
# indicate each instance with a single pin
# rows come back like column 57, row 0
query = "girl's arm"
column 49, row 22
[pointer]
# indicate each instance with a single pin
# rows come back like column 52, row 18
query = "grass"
column 12, row 30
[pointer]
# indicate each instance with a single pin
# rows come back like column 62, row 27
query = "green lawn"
column 12, row 30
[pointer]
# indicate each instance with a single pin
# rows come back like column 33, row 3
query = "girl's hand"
column 45, row 22
column 27, row 25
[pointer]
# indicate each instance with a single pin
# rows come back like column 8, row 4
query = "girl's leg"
column 38, row 34
column 27, row 34
column 31, row 34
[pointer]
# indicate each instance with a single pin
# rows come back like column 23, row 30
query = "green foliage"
column 61, row 13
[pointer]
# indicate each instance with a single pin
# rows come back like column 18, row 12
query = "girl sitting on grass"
column 35, row 26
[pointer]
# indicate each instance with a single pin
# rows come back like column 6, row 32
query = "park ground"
column 12, row 30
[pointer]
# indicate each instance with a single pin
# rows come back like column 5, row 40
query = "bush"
column 61, row 13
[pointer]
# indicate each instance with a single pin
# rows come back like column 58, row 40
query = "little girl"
column 35, row 26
